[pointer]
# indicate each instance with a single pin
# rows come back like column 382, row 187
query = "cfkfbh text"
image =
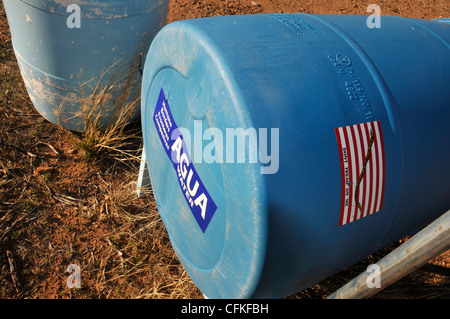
column 232, row 308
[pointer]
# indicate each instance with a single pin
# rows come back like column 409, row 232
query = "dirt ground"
column 61, row 205
column 187, row 9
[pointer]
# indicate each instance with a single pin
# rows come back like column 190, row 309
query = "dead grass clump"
column 109, row 113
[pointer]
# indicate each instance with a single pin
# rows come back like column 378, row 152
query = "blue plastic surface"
column 62, row 63
column 307, row 75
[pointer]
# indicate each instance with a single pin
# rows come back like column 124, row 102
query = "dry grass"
column 109, row 112
column 145, row 264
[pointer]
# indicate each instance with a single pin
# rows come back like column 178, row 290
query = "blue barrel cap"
column 201, row 93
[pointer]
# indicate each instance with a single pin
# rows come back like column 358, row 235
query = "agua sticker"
column 194, row 191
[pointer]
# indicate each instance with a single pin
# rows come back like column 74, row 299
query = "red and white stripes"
column 361, row 152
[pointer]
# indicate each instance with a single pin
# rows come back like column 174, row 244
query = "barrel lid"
column 95, row 9
column 218, row 227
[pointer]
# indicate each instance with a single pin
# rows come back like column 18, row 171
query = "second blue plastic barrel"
column 68, row 49
column 363, row 119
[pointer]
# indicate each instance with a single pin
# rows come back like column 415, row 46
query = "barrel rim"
column 94, row 10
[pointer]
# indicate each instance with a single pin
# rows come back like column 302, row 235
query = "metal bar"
column 427, row 244
column 143, row 182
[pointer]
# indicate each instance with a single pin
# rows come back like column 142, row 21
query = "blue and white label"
column 194, row 191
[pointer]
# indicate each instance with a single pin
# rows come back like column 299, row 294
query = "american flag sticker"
column 361, row 152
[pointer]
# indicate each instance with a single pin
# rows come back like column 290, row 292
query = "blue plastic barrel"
column 73, row 53
column 354, row 124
